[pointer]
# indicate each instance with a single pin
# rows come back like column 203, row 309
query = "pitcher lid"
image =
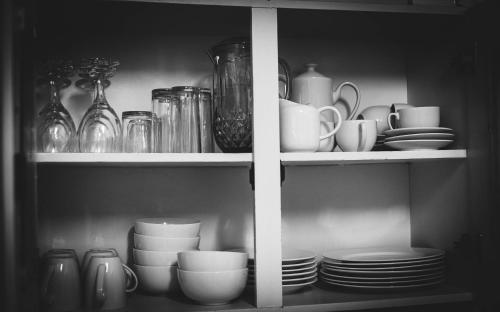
column 231, row 45
column 311, row 72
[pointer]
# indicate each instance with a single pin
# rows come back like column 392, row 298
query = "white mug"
column 357, row 135
column 416, row 117
column 300, row 126
column 394, row 109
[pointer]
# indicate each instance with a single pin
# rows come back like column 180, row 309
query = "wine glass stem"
column 99, row 94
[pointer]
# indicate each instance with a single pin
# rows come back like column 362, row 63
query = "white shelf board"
column 325, row 298
column 367, row 6
column 144, row 159
column 345, row 158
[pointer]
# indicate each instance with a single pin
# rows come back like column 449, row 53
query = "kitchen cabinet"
column 396, row 52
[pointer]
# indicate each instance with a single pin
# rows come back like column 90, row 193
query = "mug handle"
column 130, row 276
column 336, row 112
column 336, row 97
column 45, row 284
column 362, row 145
column 100, row 293
column 286, row 69
column 396, row 115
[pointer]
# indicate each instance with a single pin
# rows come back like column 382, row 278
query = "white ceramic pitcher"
column 317, row 90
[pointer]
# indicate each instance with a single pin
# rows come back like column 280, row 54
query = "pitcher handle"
column 336, row 97
column 45, row 284
column 100, row 293
column 335, row 129
column 130, row 276
column 362, row 138
column 286, row 69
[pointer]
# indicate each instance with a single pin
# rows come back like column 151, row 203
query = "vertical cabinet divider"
column 266, row 154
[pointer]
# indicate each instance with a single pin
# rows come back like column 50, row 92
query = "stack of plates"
column 422, row 138
column 383, row 268
column 298, row 269
column 379, row 144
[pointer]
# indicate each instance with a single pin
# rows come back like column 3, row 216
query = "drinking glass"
column 189, row 118
column 138, row 131
column 167, row 109
column 205, row 110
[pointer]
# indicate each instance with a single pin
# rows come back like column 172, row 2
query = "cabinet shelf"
column 318, row 299
column 147, row 159
column 334, row 158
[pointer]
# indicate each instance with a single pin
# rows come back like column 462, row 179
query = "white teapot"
column 315, row 89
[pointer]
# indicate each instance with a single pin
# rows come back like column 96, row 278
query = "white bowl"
column 155, row 243
column 168, row 227
column 155, row 258
column 211, row 261
column 212, row 288
column 157, row 279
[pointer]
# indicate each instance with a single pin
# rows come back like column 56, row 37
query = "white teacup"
column 394, row 109
column 416, row 117
column 300, row 126
column 378, row 113
column 357, row 135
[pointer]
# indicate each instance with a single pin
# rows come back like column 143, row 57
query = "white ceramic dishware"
column 378, row 113
column 415, row 117
column 156, row 243
column 157, row 279
column 418, row 145
column 357, row 135
column 213, row 288
column 168, row 227
column 210, row 261
column 394, row 108
column 300, row 126
column 154, row 258
column 404, row 131
column 381, row 254
column 421, row 136
column 295, row 287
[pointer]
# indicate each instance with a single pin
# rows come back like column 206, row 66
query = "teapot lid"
column 311, row 72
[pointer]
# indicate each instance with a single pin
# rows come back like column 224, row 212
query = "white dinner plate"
column 402, row 131
column 305, row 273
column 384, row 273
column 376, row 278
column 394, row 287
column 417, row 145
column 409, row 266
column 287, row 289
column 292, row 266
column 362, row 265
column 384, row 283
column 421, row 136
column 381, row 254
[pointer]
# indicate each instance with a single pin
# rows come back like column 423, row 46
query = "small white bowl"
column 157, row 279
column 155, row 243
column 212, row 288
column 168, row 227
column 211, row 261
column 155, row 258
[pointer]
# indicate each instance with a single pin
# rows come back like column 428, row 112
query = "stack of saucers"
column 419, row 138
column 298, row 269
column 157, row 242
column 383, row 268
column 379, row 144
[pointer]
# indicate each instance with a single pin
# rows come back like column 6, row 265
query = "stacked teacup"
column 157, row 242
column 212, row 277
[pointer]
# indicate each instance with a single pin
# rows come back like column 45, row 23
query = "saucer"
column 418, row 145
column 402, row 131
column 421, row 136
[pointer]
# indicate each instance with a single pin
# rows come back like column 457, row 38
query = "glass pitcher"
column 232, row 94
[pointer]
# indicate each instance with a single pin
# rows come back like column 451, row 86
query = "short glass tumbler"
column 138, row 132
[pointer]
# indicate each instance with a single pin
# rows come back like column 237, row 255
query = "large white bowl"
column 155, row 258
column 211, row 261
column 168, row 227
column 155, row 243
column 157, row 279
column 212, row 288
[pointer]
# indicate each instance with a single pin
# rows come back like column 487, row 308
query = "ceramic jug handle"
column 339, row 117
column 130, row 276
column 336, row 97
column 283, row 64
column 362, row 138
column 100, row 293
column 45, row 284
column 396, row 115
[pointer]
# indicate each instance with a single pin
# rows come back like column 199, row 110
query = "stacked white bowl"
column 212, row 277
column 157, row 242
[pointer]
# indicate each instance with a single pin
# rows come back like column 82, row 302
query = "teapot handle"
column 283, row 64
column 336, row 111
column 336, row 97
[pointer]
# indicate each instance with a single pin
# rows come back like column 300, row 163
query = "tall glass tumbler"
column 138, row 132
column 189, row 118
column 205, row 109
column 167, row 109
